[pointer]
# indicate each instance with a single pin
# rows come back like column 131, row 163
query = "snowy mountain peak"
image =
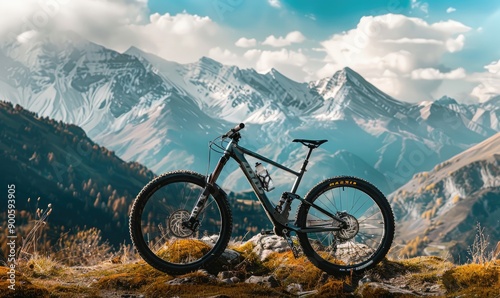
column 329, row 86
column 445, row 100
column 209, row 62
column 349, row 76
column 134, row 51
column 348, row 95
column 275, row 74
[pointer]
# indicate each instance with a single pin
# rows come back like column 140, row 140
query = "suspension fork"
column 193, row 222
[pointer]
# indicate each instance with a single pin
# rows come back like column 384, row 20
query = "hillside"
column 443, row 206
column 87, row 185
column 54, row 163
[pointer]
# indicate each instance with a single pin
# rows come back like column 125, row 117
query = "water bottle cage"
column 265, row 181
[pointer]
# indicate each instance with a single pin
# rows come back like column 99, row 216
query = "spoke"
column 184, row 191
column 340, row 195
column 332, row 202
column 366, row 218
column 322, row 240
column 356, row 250
column 160, row 227
column 355, row 201
column 352, row 246
column 360, row 207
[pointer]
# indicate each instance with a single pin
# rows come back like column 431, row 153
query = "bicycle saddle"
column 310, row 143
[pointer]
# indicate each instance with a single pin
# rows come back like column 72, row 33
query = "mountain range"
column 163, row 114
column 440, row 211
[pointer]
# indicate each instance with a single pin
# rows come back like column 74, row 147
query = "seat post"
column 302, row 170
column 306, row 161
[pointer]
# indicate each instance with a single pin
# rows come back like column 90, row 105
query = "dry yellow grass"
column 44, row 277
column 482, row 280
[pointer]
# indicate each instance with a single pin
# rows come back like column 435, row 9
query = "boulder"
column 264, row 245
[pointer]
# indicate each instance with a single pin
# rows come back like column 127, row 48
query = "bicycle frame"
column 233, row 150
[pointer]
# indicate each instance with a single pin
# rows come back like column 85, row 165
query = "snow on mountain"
column 77, row 81
column 349, row 93
column 112, row 96
column 447, row 202
column 234, row 94
column 488, row 113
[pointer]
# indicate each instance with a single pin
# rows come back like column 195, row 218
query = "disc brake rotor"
column 175, row 224
column 351, row 230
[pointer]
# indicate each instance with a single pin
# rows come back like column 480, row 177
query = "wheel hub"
column 175, row 224
column 351, row 229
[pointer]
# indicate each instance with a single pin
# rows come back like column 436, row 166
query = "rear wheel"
column 362, row 242
column 157, row 230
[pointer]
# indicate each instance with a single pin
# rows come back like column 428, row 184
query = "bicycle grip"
column 234, row 130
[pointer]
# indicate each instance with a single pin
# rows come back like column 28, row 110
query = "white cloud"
column 274, row 3
column 435, row 74
column 182, row 38
column 311, row 16
column 292, row 37
column 270, row 59
column 245, row 42
column 493, row 67
column 397, row 44
column 252, row 54
column 290, row 62
column 83, row 16
column 422, row 6
column 223, row 55
column 450, row 10
column 116, row 24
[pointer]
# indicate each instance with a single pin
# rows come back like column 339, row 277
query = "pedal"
column 294, row 249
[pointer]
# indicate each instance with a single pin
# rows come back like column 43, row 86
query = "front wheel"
column 362, row 241
column 157, row 229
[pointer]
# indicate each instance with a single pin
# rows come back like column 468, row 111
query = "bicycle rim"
column 368, row 234
column 164, row 242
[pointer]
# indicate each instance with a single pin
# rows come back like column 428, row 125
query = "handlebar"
column 234, row 130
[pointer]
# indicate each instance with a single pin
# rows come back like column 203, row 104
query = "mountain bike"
column 181, row 221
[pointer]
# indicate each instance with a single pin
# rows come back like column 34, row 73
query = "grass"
column 288, row 269
column 42, row 277
column 183, row 250
column 482, row 280
column 42, row 267
column 124, row 272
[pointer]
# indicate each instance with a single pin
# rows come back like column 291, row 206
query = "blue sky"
column 320, row 19
column 413, row 50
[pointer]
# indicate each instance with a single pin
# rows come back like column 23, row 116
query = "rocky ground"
column 260, row 267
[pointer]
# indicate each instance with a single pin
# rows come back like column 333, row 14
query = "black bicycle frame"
column 233, row 150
